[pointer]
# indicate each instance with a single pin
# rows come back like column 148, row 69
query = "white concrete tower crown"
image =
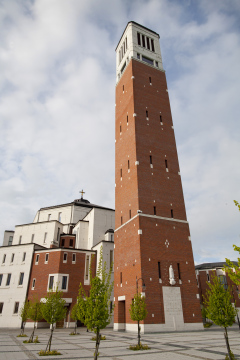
column 139, row 43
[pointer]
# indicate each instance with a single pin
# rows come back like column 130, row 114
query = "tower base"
column 155, row 328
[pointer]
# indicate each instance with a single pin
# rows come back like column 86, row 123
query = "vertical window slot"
column 120, row 277
column 159, row 270
column 150, row 79
column 152, row 43
column 150, row 157
column 128, row 165
column 146, row 113
column 179, row 273
column 143, row 41
column 139, row 39
column 120, row 173
column 148, row 43
column 154, row 210
column 171, row 213
column 130, row 214
column 121, row 220
column 120, row 129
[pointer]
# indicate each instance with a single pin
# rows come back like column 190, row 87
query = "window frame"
column 21, row 279
column 16, row 308
column 8, row 280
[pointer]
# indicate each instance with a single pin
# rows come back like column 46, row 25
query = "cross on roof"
column 82, row 192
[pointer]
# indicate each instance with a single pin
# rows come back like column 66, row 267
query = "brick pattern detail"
column 143, row 188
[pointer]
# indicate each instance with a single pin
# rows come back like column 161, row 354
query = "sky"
column 57, row 103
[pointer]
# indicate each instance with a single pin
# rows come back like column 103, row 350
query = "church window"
column 59, row 217
column 21, row 277
column 45, row 237
column 159, row 270
column 152, row 43
column 33, row 284
column 179, row 273
column 8, row 279
column 46, row 258
column 123, row 67
column 32, row 238
column 49, row 217
column 4, row 258
column 139, row 39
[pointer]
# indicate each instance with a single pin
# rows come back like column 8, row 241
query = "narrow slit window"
column 12, row 258
column 160, row 118
column 64, row 283
column 138, row 56
column 21, row 277
column 16, row 306
column 4, row 259
column 120, row 277
column 130, row 214
column 65, row 257
column 71, row 242
column 51, row 279
column 143, row 41
column 148, row 43
column 46, row 258
column 128, row 164
column 152, row 43
column 179, row 273
column 37, row 259
column 159, row 270
column 127, row 119
column 166, row 164
column 119, row 56
column 126, row 43
column 139, row 39
column 154, row 210
column 24, row 257
column 63, row 242
column 87, row 267
column 150, row 79
column 121, row 173
column 73, row 257
column 150, row 157
column 208, row 278
column 33, row 283
column 147, row 113
column 20, row 239
column 121, row 220
column 123, row 87
column 171, row 213
column 120, row 129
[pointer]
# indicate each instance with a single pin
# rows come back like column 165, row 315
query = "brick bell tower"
column 152, row 238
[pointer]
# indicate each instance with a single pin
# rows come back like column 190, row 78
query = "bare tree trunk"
column 75, row 327
column 227, row 344
column 50, row 340
column 139, row 337
column 32, row 334
column 22, row 328
column 98, row 337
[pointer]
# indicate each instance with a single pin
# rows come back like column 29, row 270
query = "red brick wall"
column 143, row 188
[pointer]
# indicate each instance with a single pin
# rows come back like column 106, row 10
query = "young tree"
column 94, row 310
column 138, row 311
column 74, row 316
column 24, row 316
column 219, row 308
column 53, row 310
column 35, row 314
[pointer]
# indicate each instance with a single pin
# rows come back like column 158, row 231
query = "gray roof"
column 213, row 265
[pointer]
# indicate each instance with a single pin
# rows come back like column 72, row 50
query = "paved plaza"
column 206, row 344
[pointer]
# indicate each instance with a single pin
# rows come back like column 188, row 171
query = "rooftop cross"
column 82, row 192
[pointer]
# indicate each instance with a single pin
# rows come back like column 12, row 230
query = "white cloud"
column 57, row 106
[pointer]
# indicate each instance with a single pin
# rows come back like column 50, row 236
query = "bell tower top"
column 140, row 43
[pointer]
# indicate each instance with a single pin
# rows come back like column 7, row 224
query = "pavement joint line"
column 29, row 354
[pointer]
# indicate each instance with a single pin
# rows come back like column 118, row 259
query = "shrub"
column 101, row 338
column 207, row 325
column 47, row 353
column 232, row 356
column 22, row 335
column 139, row 347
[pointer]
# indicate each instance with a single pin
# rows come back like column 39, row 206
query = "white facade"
column 14, row 261
column 143, row 49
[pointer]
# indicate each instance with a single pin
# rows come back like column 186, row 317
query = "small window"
column 138, row 56
column 12, row 258
column 148, row 43
column 32, row 239
column 147, row 113
column 159, row 270
column 171, row 213
column 21, row 277
column 16, row 306
column 65, row 257
column 111, row 305
column 73, row 258
column 128, row 165
column 208, row 278
column 49, row 217
column 121, row 173
column 121, row 220
column 20, row 239
column 130, row 214
column 147, row 60
column 1, row 307
column 143, row 41
column 166, row 164
column 119, row 56
column 33, row 284
column 112, row 237
column 60, row 217
column 179, row 273
column 154, row 210
column 1, row 276
column 71, row 242
column 150, row 157
column 150, row 79
column 87, row 267
column 123, row 87
column 156, row 62
column 111, row 257
column 45, row 238
column 127, row 119
column 120, row 277
column 46, row 258
column 37, row 259
column 51, row 279
column 160, row 118
column 10, row 240
column 152, row 43
column 4, row 259
column 8, row 279
column 62, row 242
column 139, row 39
column 120, row 129
column 64, row 283
column 24, row 257
column 126, row 43
column 58, row 234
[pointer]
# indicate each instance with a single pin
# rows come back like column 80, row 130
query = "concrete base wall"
column 151, row 328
